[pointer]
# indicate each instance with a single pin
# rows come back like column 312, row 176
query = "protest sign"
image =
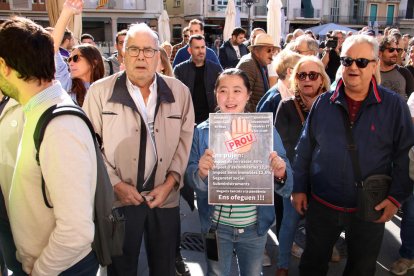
column 241, row 143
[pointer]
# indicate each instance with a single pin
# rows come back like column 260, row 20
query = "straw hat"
column 263, row 40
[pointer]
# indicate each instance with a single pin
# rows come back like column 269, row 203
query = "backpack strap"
column 111, row 67
column 42, row 123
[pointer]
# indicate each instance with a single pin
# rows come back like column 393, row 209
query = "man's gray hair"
column 311, row 43
column 359, row 39
column 139, row 28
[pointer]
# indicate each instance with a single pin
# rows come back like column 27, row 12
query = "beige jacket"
column 116, row 120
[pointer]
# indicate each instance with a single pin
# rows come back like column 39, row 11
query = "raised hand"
column 239, row 127
column 75, row 6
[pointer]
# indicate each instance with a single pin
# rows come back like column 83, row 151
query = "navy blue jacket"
column 270, row 101
column 227, row 54
column 185, row 72
column 183, row 55
column 383, row 133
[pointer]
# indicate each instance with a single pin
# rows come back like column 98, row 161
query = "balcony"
column 117, row 5
column 301, row 13
column 222, row 9
column 219, row 11
column 362, row 20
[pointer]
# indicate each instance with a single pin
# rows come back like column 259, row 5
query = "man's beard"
column 8, row 89
column 390, row 62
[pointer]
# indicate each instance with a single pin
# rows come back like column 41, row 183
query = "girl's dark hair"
column 95, row 61
column 234, row 72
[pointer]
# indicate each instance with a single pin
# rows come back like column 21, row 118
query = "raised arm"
column 70, row 8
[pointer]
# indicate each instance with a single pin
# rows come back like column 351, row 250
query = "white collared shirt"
column 148, row 115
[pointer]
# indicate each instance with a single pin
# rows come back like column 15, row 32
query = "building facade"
column 116, row 15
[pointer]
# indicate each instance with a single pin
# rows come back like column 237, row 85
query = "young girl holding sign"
column 241, row 228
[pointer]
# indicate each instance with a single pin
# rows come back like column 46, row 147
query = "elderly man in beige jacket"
column 146, row 123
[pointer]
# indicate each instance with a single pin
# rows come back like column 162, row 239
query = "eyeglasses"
column 391, row 50
column 360, row 62
column 186, row 35
column 75, row 58
column 271, row 50
column 312, row 76
column 134, row 51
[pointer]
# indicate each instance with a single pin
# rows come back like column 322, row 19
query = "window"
column 335, row 11
column 165, row 4
column 38, row 1
column 373, row 13
column 177, row 3
column 390, row 15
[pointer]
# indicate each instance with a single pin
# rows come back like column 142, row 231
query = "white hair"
column 141, row 28
column 360, row 39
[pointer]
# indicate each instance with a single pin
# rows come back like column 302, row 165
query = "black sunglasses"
column 75, row 58
column 391, row 50
column 312, row 76
column 360, row 62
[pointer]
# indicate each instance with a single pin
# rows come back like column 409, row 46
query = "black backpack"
column 109, row 224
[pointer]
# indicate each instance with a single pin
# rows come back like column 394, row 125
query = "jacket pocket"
column 108, row 113
column 178, row 117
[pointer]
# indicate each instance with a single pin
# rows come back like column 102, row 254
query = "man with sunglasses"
column 255, row 65
column 195, row 26
column 393, row 76
column 176, row 47
column 325, row 182
column 146, row 122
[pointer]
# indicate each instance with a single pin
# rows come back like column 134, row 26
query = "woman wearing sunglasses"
column 308, row 81
column 84, row 65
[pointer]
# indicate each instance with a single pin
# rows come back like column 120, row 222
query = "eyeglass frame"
column 392, row 49
column 153, row 51
column 308, row 76
column 357, row 61
column 75, row 58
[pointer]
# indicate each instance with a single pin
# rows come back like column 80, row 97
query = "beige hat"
column 263, row 40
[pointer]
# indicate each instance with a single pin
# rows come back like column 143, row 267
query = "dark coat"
column 185, row 72
column 227, row 54
column 383, row 133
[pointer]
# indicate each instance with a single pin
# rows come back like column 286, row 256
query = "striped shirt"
column 236, row 216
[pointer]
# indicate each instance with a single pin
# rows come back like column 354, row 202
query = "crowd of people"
column 343, row 111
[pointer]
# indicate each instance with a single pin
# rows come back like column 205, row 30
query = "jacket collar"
column 373, row 94
column 121, row 95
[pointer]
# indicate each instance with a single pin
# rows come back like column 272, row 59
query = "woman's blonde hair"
column 165, row 61
column 325, row 78
column 284, row 60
